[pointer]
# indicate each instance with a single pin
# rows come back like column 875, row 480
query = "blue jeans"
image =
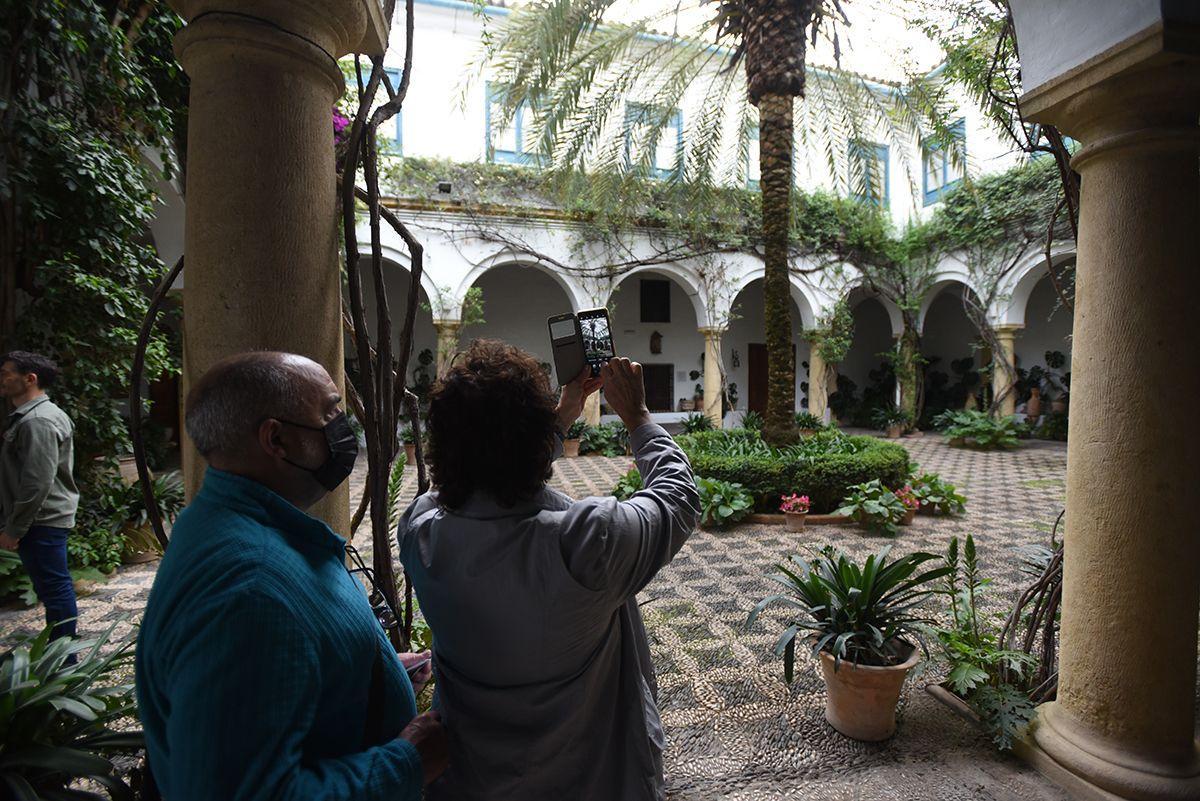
column 44, row 552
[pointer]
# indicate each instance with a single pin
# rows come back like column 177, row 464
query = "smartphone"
column 596, row 330
column 415, row 668
column 566, row 342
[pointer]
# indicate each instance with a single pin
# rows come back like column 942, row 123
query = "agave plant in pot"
column 865, row 626
column 571, row 440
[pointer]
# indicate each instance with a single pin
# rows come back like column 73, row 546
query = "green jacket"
column 36, row 459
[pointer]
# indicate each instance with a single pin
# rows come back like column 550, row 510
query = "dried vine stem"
column 1034, row 621
column 137, row 374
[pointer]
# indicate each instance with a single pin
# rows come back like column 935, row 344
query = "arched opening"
column 865, row 380
column 956, row 360
column 422, row 368
column 1043, row 348
column 745, row 352
column 650, row 303
column 516, row 300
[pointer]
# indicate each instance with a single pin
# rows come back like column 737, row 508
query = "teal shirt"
column 254, row 661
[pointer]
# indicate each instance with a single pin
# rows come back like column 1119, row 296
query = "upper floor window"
column 753, row 162
column 396, row 129
column 668, row 144
column 1036, row 137
column 940, row 174
column 869, row 172
column 506, row 139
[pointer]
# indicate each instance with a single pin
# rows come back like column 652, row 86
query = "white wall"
column 1047, row 327
column 748, row 327
column 517, row 301
column 682, row 342
column 872, row 336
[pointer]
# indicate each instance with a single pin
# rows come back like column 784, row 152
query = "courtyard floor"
column 735, row 730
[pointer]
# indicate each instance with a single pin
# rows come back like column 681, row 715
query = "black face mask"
column 343, row 451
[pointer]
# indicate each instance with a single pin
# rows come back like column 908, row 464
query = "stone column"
column 447, row 343
column 1124, row 720
column 1001, row 385
column 591, row 409
column 818, row 383
column 261, row 228
column 713, row 376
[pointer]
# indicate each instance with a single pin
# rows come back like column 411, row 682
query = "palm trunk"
column 775, row 145
column 908, row 373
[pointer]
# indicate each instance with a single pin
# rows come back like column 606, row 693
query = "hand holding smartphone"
column 580, row 339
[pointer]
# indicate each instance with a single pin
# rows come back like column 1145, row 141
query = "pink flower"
column 794, row 504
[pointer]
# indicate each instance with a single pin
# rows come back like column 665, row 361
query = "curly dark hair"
column 25, row 362
column 491, row 426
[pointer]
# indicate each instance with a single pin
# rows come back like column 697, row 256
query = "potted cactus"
column 864, row 625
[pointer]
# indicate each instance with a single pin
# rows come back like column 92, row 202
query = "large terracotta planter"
column 860, row 702
column 894, row 432
column 570, row 448
column 410, row 453
column 1058, row 405
column 909, row 514
column 1033, row 407
column 795, row 520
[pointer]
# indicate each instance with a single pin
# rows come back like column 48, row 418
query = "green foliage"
column 937, row 495
column 407, row 435
column 722, row 503
column 1052, row 426
column 14, row 581
column 873, row 506
column 869, row 615
column 888, row 416
column 833, row 336
column 989, row 678
column 57, row 720
column 395, row 484
column 627, row 485
column 808, row 421
column 694, row 423
column 577, row 429
column 606, row 439
column 752, row 421
column 826, row 464
column 978, row 430
column 91, row 95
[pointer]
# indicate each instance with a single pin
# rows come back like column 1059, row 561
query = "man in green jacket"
column 37, row 491
column 263, row 674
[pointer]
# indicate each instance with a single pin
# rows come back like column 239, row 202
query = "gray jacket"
column 36, row 460
column 544, row 677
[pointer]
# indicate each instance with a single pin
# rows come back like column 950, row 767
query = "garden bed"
column 823, row 466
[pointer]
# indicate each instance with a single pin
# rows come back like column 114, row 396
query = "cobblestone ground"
column 735, row 729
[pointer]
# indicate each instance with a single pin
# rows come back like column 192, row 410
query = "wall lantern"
column 656, row 343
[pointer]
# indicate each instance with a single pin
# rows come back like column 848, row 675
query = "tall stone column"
column 591, row 409
column 1124, row 720
column 447, row 343
column 1001, row 385
column 818, row 383
column 713, row 374
column 261, row 228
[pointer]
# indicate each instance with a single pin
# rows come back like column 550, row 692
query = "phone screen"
column 597, row 338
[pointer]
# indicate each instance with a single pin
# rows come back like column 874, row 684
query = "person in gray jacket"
column 38, row 497
column 544, row 677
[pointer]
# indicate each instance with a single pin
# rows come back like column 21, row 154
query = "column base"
column 1091, row 769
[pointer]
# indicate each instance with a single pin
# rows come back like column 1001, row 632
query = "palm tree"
column 574, row 70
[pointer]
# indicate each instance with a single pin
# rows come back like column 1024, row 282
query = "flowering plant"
column 794, row 504
column 340, row 123
column 908, row 497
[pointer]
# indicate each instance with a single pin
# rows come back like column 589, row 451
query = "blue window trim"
column 753, row 183
column 393, row 76
column 1071, row 144
column 634, row 110
column 959, row 129
column 857, row 149
column 495, row 155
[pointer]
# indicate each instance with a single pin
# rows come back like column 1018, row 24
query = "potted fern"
column 863, row 624
column 571, row 440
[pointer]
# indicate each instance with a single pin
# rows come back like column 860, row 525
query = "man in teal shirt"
column 262, row 671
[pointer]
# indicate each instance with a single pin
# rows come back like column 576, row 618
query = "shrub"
column 977, row 429
column 606, row 439
column 697, row 422
column 867, row 615
column 627, row 485
column 826, row 464
column 753, row 421
column 936, row 495
column 722, row 503
column 873, row 506
column 56, row 718
column 808, row 421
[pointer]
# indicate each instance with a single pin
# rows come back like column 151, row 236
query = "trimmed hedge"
column 823, row 467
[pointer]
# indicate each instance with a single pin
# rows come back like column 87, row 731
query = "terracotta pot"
column 570, row 448
column 127, row 467
column 908, row 517
column 807, row 432
column 410, row 453
column 795, row 520
column 958, row 442
column 686, row 405
column 1033, row 407
column 860, row 702
column 893, row 432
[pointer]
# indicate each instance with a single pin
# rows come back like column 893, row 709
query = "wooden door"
column 660, row 386
column 756, row 399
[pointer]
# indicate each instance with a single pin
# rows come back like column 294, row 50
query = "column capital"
column 712, row 331
column 447, row 324
column 337, row 27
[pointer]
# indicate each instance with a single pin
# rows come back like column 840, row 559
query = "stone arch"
column 801, row 295
column 574, row 292
column 684, row 278
column 857, row 293
column 397, row 259
column 1026, row 278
